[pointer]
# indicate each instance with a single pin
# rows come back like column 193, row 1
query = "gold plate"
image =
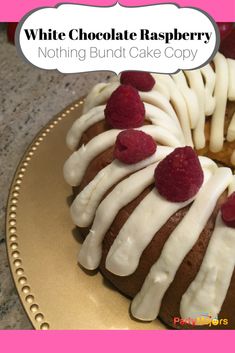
column 42, row 247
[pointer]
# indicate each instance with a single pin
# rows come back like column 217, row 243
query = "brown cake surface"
column 130, row 285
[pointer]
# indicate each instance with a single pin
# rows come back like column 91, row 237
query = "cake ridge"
column 176, row 107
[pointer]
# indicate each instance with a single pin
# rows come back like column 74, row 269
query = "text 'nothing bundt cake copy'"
column 154, row 191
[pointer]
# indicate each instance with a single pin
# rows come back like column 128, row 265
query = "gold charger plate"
column 42, row 247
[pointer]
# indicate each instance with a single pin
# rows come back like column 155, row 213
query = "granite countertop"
column 29, row 98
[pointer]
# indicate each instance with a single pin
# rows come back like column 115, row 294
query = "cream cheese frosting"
column 176, row 109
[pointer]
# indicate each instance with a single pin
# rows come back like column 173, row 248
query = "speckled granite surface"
column 29, row 97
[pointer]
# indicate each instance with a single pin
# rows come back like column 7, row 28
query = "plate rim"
column 27, row 298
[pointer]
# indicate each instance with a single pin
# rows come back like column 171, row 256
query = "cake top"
column 153, row 133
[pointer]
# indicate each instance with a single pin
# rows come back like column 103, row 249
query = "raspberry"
column 179, row 176
column 225, row 28
column 11, row 28
column 132, row 146
column 142, row 81
column 227, row 46
column 124, row 109
column 228, row 211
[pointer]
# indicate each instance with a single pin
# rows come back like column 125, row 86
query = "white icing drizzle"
column 80, row 125
column 189, row 96
column 177, row 107
column 158, row 111
column 85, row 204
column 208, row 290
column 138, row 231
column 99, row 95
column 146, row 304
column 160, row 118
column 209, row 77
column 77, row 163
column 121, row 195
column 231, row 187
column 197, row 85
column 161, row 88
column 159, row 100
column 221, row 93
column 126, row 191
column 204, row 93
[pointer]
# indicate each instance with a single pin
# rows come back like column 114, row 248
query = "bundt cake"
column 155, row 193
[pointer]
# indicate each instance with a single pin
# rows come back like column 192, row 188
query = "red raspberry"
column 179, row 176
column 142, row 81
column 132, row 146
column 228, row 211
column 11, row 28
column 124, row 109
column 225, row 28
column 227, row 46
